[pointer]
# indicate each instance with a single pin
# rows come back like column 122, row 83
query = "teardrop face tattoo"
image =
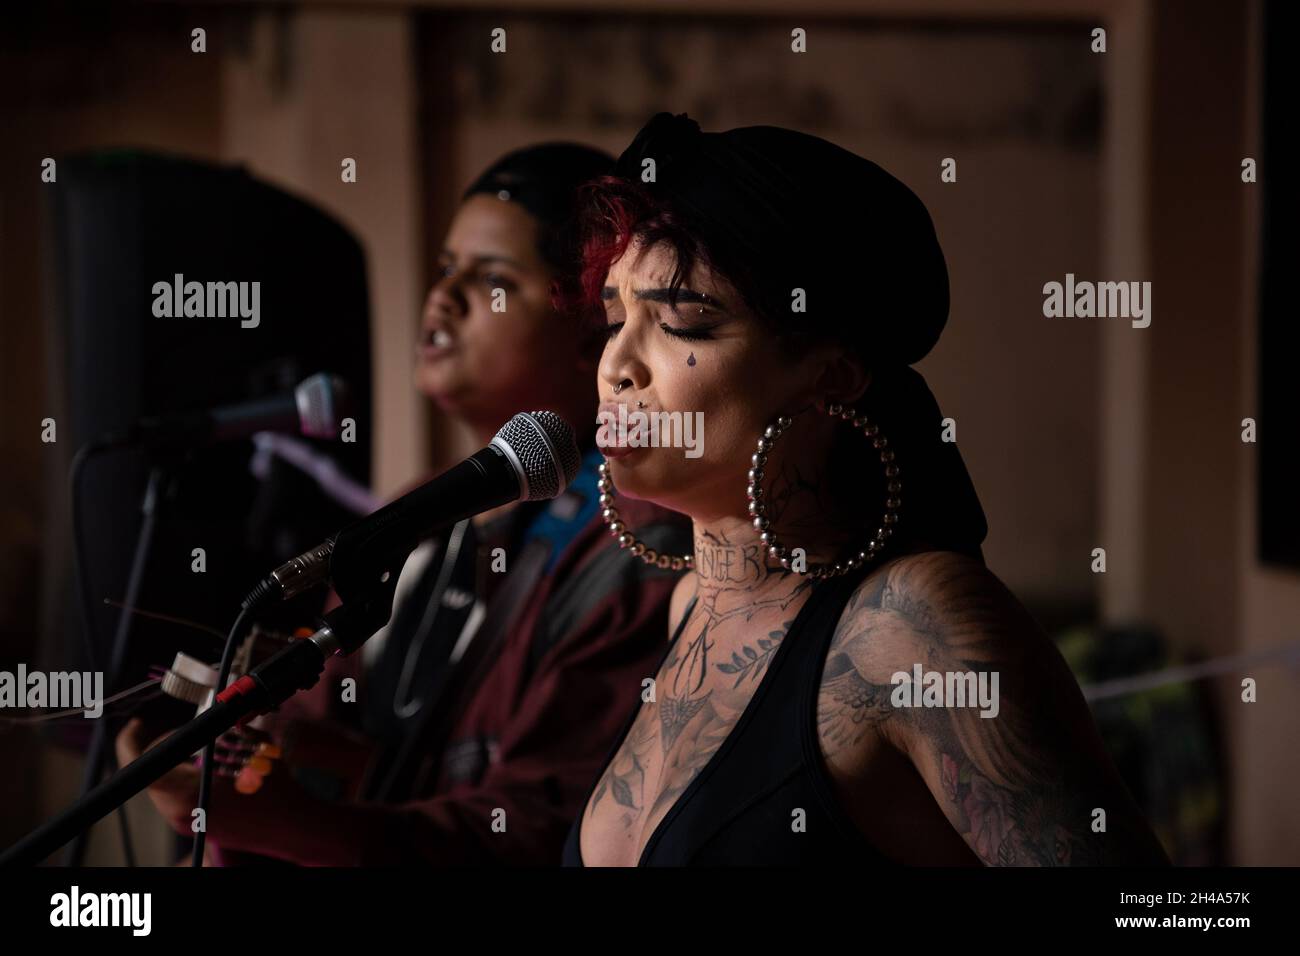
column 690, row 359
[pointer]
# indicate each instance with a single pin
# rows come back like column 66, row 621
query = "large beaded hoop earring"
column 758, row 506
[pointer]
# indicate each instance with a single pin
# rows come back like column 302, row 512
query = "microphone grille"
column 322, row 402
column 543, row 442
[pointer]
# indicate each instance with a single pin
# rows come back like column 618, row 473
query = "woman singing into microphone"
column 846, row 681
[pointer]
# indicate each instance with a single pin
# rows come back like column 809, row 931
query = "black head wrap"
column 544, row 180
column 778, row 210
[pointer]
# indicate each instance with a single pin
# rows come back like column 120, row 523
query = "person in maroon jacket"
column 468, row 730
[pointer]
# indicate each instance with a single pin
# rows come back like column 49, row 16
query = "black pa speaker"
column 119, row 227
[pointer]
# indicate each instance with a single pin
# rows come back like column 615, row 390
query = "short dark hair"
column 544, row 180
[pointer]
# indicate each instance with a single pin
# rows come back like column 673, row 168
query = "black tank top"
column 741, row 808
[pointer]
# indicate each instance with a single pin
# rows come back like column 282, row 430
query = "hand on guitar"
column 250, row 785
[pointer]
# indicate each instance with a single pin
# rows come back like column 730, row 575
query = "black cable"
column 243, row 623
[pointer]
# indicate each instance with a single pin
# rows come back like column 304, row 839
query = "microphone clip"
column 354, row 621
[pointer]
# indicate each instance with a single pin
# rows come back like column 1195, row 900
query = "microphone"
column 532, row 458
column 315, row 409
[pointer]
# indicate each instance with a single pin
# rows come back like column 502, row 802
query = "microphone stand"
column 297, row 667
column 95, row 757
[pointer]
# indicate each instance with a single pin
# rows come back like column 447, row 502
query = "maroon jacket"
column 552, row 699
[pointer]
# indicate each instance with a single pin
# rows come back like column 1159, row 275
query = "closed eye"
column 688, row 335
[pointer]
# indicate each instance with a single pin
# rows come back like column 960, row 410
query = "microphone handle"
column 380, row 543
column 276, row 413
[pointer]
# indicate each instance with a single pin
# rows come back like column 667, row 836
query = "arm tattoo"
column 848, row 706
column 1020, row 787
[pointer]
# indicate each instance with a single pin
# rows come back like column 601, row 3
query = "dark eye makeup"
column 686, row 335
column 697, row 304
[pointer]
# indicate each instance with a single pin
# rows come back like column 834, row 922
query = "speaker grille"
column 543, row 442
